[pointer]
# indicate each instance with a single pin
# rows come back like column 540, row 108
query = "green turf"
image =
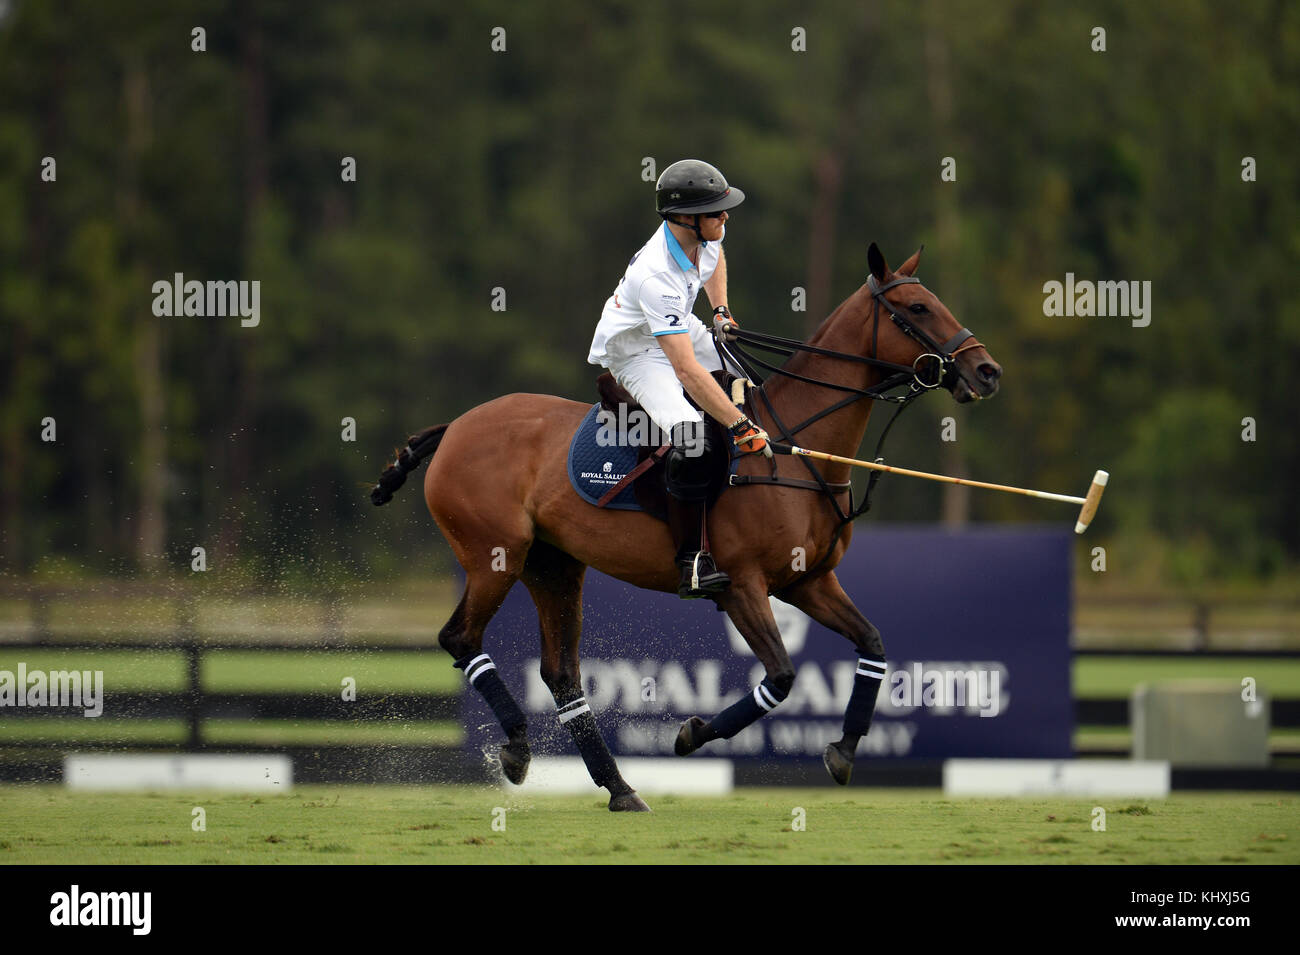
column 306, row 732
column 253, row 671
column 218, row 732
column 355, row 824
column 387, row 671
column 1096, row 677
column 1091, row 737
column 126, row 670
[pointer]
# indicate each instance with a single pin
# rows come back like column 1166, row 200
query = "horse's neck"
column 841, row 431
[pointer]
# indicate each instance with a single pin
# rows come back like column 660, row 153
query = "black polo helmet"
column 690, row 186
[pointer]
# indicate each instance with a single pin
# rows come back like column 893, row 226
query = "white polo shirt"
column 654, row 298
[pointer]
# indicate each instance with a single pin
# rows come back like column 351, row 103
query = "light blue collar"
column 675, row 248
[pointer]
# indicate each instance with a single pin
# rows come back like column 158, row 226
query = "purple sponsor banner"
column 976, row 631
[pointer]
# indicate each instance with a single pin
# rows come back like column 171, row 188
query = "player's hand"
column 750, row 439
column 723, row 320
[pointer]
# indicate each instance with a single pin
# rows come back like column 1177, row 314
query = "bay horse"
column 515, row 516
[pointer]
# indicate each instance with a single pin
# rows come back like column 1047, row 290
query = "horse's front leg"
column 749, row 610
column 823, row 599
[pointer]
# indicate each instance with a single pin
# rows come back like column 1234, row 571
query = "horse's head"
column 923, row 333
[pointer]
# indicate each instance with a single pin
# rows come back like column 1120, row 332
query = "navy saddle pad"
column 600, row 456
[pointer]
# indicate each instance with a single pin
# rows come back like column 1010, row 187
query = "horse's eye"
column 918, row 309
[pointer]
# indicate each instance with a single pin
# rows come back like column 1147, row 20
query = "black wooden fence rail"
column 196, row 705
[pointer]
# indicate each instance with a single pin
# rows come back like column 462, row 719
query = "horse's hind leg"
column 747, row 605
column 823, row 599
column 555, row 581
column 462, row 637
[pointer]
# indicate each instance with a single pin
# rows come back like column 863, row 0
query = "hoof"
column 628, row 802
column 688, row 736
column 514, row 761
column 838, row 764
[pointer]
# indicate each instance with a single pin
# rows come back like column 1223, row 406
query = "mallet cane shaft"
column 1086, row 512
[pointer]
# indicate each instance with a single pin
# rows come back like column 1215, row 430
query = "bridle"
column 935, row 366
column 944, row 356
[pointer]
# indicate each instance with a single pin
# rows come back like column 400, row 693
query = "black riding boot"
column 686, row 476
column 700, row 575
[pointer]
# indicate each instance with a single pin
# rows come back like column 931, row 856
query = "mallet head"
column 1091, row 501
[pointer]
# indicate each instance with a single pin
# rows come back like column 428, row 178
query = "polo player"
column 660, row 352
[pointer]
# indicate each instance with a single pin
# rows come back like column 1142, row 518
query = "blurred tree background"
column 521, row 169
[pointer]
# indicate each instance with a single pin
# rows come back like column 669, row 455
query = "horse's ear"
column 876, row 262
column 909, row 267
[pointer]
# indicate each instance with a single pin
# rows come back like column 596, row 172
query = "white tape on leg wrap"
column 573, row 709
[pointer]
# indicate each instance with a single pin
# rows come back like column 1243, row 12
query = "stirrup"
column 704, row 580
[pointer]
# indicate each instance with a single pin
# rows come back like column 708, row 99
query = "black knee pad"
column 686, row 470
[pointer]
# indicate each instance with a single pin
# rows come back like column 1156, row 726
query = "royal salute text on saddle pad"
column 597, row 463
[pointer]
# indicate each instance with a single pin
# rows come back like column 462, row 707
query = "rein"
column 942, row 355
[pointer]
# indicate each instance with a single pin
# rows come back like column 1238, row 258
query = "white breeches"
column 649, row 377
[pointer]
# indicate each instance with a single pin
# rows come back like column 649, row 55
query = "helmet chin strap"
column 694, row 228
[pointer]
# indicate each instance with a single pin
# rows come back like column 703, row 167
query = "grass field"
column 454, row 824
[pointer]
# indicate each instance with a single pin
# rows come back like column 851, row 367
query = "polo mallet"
column 1086, row 512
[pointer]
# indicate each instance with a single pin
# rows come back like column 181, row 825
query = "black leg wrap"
column 764, row 699
column 862, row 702
column 576, row 717
column 482, row 674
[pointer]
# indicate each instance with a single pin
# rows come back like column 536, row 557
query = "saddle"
column 649, row 486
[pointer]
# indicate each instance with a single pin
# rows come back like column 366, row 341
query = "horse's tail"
column 418, row 447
